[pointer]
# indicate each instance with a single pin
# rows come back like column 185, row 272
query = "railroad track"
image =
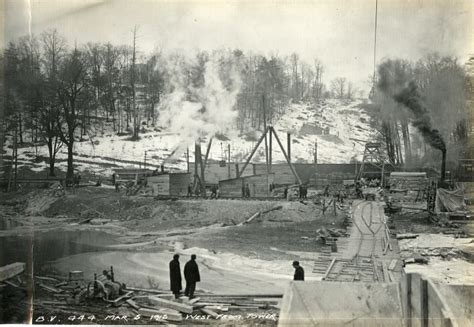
column 361, row 265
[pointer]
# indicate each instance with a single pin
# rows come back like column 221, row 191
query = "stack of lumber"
column 335, row 178
column 408, row 181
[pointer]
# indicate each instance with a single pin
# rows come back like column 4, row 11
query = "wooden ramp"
column 11, row 270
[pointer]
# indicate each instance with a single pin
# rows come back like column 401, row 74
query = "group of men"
column 191, row 275
column 303, row 192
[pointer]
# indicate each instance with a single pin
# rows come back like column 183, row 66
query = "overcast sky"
column 339, row 33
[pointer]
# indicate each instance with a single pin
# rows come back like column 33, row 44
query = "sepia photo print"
column 237, row 162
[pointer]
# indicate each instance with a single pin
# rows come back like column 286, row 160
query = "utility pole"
column 144, row 161
column 265, row 129
column 266, row 142
column 132, row 80
column 316, row 152
column 15, row 157
column 288, row 145
column 228, row 160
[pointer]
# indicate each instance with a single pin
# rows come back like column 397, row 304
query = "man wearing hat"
column 191, row 274
column 299, row 272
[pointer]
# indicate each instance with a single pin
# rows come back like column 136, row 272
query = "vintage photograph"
column 237, row 162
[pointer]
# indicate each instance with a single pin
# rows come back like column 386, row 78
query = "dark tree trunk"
column 20, row 128
column 51, row 157
column 70, row 161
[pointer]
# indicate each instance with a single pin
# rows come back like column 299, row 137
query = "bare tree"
column 338, row 87
column 294, row 58
column 73, row 93
column 54, row 51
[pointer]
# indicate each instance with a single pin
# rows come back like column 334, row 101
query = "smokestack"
column 288, row 145
column 443, row 166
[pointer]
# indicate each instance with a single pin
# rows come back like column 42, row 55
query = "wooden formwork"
column 259, row 186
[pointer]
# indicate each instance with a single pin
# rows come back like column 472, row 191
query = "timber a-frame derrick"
column 374, row 157
column 270, row 131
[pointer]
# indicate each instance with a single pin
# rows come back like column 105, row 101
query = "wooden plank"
column 192, row 301
column 128, row 294
column 11, row 270
column 386, row 278
column 12, row 284
column 392, row 277
column 329, row 268
column 275, row 295
column 210, row 312
column 47, row 278
column 147, row 290
column 133, row 304
column 217, row 307
column 393, row 264
column 252, row 218
column 49, row 288
column 170, row 304
column 214, row 304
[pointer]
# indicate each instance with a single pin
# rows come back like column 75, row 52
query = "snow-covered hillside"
column 308, row 123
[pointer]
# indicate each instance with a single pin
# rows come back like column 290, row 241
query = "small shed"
column 169, row 184
column 259, row 186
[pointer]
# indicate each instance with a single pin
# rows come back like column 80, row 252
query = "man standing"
column 191, row 274
column 175, row 276
column 299, row 272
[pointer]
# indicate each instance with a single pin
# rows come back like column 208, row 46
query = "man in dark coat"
column 175, row 276
column 299, row 272
column 191, row 274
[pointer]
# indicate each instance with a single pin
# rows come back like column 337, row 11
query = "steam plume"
column 201, row 98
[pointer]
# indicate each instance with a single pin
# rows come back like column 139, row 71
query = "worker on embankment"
column 175, row 276
column 299, row 271
column 191, row 274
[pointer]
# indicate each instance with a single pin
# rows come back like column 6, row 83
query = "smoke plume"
column 410, row 98
column 201, row 95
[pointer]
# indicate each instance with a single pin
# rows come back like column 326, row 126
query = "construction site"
column 161, row 171
column 395, row 243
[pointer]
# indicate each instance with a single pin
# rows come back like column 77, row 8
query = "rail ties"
column 368, row 220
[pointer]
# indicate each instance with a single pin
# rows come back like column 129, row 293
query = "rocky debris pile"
column 418, row 248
